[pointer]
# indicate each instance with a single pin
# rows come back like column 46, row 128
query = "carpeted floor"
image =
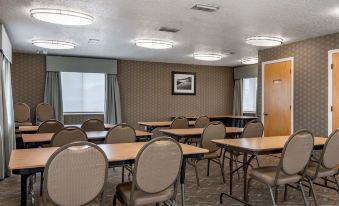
column 207, row 194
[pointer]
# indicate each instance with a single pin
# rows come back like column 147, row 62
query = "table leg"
column 245, row 167
column 24, row 189
column 182, row 181
column 231, row 172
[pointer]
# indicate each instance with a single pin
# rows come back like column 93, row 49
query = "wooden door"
column 277, row 99
column 335, row 91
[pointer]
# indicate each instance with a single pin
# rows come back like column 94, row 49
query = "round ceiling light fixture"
column 53, row 44
column 154, row 44
column 249, row 60
column 63, row 17
column 264, row 41
column 207, row 56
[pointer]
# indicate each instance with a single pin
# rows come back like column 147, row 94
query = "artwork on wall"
column 183, row 83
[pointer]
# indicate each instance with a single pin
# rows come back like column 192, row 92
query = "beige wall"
column 145, row 89
column 310, row 79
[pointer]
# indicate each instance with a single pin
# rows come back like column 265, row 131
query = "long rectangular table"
column 26, row 162
column 34, row 128
column 253, row 147
column 190, row 132
column 228, row 120
column 149, row 126
column 92, row 136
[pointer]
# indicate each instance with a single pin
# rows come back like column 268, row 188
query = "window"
column 249, row 95
column 83, row 92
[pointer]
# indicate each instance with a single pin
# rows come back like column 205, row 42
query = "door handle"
column 265, row 114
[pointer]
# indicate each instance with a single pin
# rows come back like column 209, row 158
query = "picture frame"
column 183, row 83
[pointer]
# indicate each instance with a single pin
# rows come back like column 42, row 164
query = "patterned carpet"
column 206, row 194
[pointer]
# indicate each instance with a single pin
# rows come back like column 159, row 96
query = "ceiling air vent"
column 205, row 7
column 169, row 29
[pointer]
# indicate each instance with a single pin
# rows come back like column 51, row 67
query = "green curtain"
column 112, row 100
column 7, row 125
column 237, row 98
column 53, row 94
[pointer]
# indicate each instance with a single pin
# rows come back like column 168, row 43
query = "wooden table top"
column 263, row 143
column 37, row 157
column 35, row 128
column 161, row 123
column 221, row 116
column 197, row 131
column 18, row 124
column 94, row 135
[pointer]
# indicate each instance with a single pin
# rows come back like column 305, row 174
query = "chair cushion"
column 211, row 155
column 323, row 172
column 142, row 198
column 267, row 175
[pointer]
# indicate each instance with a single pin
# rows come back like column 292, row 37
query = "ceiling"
column 117, row 23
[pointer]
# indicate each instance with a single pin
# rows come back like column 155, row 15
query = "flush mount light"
column 249, row 60
column 64, row 17
column 153, row 44
column 53, row 44
column 264, row 41
column 207, row 56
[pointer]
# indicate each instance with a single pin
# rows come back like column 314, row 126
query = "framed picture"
column 183, row 83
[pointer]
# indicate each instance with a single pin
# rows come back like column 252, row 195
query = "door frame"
column 263, row 64
column 330, row 84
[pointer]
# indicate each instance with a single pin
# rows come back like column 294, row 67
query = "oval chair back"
column 329, row 158
column 253, row 128
column 297, row 152
column 22, row 112
column 179, row 123
column 201, row 122
column 50, row 126
column 68, row 135
column 121, row 133
column 215, row 130
column 93, row 125
column 44, row 112
column 75, row 174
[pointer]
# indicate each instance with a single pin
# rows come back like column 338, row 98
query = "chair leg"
column 337, row 183
column 285, row 193
column 272, row 195
column 303, row 192
column 196, row 173
column 208, row 167
column 276, row 193
column 236, row 166
column 256, row 158
column 222, row 171
column 123, row 174
column 41, row 182
column 114, row 200
column 312, row 190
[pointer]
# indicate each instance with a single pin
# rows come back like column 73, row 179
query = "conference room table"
column 228, row 120
column 34, row 128
column 197, row 132
column 149, row 126
column 251, row 147
column 93, row 136
column 26, row 162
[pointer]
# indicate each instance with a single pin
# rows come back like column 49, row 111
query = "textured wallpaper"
column 310, row 79
column 146, row 95
column 145, row 89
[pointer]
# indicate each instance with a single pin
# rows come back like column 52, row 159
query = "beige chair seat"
column 142, row 198
column 211, row 155
column 323, row 172
column 48, row 203
column 18, row 124
column 267, row 175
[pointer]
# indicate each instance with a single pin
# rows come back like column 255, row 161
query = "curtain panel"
column 53, row 94
column 237, row 98
column 7, row 125
column 112, row 100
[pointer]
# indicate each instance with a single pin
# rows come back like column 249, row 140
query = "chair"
column 179, row 123
column 121, row 133
column 157, row 133
column 327, row 164
column 50, row 126
column 22, row 113
column 75, row 174
column 155, row 175
column 201, row 122
column 44, row 112
column 68, row 135
column 215, row 130
column 93, row 125
column 294, row 158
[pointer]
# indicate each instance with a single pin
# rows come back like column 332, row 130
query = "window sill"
column 83, row 113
